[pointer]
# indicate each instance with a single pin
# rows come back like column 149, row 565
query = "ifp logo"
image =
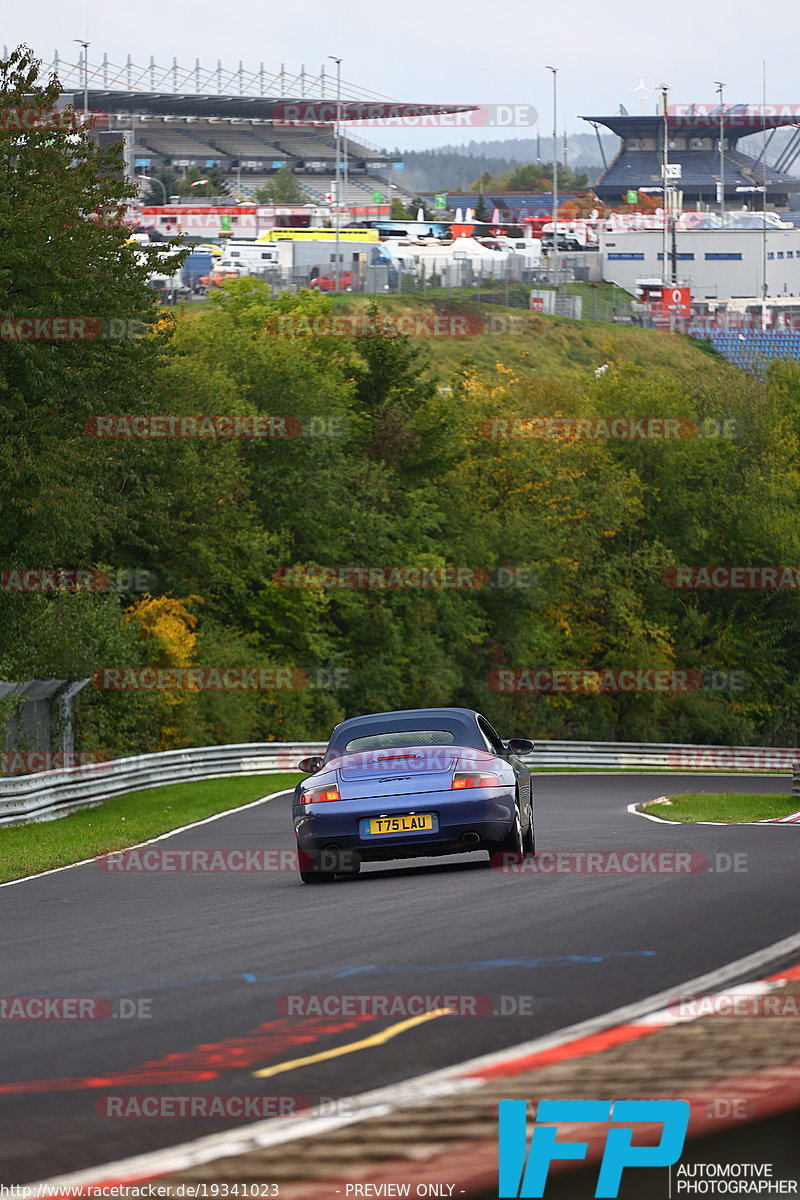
column 523, row 1173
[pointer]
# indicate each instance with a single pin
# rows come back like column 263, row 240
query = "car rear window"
column 402, row 737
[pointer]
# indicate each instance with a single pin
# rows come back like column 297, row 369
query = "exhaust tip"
column 471, row 838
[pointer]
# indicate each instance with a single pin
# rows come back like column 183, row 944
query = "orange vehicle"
column 218, row 277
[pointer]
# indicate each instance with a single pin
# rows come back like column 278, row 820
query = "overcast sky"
column 450, row 52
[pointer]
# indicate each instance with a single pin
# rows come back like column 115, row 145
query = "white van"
column 257, row 256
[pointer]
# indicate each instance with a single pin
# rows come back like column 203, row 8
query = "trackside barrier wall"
column 51, row 794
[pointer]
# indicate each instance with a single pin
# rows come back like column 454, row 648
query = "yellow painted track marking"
column 376, row 1039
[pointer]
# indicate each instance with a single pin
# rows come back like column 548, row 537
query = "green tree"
column 66, row 265
column 282, row 188
column 399, row 211
column 530, row 177
column 152, row 194
column 217, row 184
column 79, row 339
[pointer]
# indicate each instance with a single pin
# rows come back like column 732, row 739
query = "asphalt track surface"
column 211, row 954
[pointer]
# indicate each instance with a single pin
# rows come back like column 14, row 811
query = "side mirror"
column 311, row 764
column 520, row 746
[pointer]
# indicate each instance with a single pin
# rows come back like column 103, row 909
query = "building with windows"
column 717, row 264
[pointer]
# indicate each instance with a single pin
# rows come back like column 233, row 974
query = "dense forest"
column 379, row 458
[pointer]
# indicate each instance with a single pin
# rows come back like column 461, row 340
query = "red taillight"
column 469, row 779
column 318, row 795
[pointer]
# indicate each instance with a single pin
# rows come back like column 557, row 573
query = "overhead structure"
column 289, row 109
column 693, row 133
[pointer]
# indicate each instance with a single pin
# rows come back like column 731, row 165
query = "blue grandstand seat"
column 753, row 349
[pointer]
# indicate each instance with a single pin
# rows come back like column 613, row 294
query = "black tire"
column 351, row 870
column 309, row 867
column 511, row 848
column 529, row 838
column 317, row 876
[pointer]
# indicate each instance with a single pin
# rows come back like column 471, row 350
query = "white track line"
column 160, row 838
column 637, row 811
column 382, row 1101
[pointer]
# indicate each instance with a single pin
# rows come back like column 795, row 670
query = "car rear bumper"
column 485, row 822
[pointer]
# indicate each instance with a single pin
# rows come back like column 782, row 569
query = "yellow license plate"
column 407, row 823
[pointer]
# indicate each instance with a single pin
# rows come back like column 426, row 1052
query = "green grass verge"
column 724, row 806
column 126, row 820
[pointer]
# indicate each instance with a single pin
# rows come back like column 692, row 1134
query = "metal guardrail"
column 51, row 794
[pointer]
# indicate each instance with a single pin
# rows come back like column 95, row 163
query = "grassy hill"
column 554, row 347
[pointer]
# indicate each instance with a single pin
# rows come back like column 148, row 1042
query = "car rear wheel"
column 310, row 869
column 317, row 876
column 511, row 849
column 529, row 838
column 324, row 867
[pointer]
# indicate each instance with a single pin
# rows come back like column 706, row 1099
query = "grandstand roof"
column 739, row 120
column 302, row 110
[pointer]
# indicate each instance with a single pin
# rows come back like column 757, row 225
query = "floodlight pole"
column 763, row 191
column 764, row 200
column 764, row 254
column 665, row 190
column 555, row 174
column 338, row 62
column 720, row 86
column 86, row 46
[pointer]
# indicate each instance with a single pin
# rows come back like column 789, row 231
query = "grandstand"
column 693, row 144
column 249, row 133
column 251, row 152
column 248, row 151
column 753, row 351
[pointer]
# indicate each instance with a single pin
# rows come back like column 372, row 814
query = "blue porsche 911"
column 412, row 784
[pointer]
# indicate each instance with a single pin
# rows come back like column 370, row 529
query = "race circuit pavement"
column 205, row 961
